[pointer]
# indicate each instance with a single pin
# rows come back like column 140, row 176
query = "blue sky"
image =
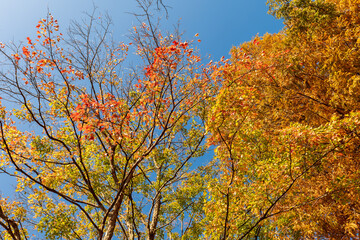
column 220, row 24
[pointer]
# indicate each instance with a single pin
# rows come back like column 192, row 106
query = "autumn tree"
column 100, row 149
column 287, row 124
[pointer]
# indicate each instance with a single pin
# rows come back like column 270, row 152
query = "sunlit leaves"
column 288, row 152
column 111, row 150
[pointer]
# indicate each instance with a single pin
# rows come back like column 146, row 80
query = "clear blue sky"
column 221, row 24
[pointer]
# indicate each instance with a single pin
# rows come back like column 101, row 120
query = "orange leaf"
column 26, row 52
column 16, row 56
column 29, row 40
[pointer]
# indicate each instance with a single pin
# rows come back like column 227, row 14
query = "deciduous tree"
column 287, row 124
column 99, row 150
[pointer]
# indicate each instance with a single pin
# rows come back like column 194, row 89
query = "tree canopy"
column 104, row 150
column 287, row 124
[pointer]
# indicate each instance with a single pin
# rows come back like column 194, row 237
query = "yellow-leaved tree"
column 287, row 124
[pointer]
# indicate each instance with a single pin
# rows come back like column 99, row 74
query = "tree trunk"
column 154, row 218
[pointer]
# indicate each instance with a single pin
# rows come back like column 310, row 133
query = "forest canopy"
column 101, row 149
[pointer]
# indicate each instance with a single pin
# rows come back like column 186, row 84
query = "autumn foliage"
column 287, row 124
column 101, row 150
column 109, row 152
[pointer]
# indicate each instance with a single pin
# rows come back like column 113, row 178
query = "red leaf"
column 16, row 56
column 29, row 40
column 26, row 52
